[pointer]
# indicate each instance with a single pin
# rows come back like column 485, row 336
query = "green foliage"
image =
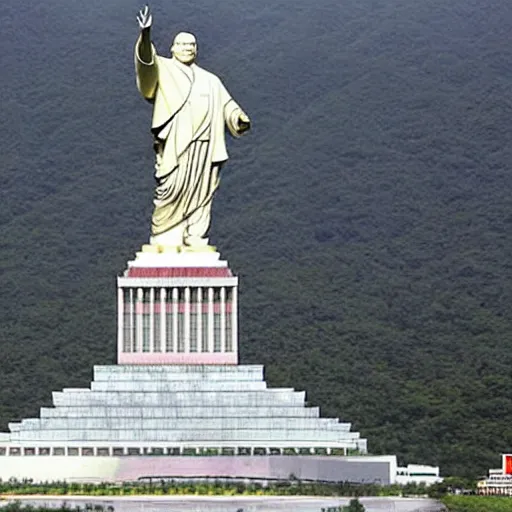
column 477, row 503
column 367, row 215
column 291, row 487
column 354, row 506
column 452, row 485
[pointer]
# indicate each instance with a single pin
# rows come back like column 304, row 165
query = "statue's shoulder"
column 199, row 71
column 168, row 66
column 164, row 61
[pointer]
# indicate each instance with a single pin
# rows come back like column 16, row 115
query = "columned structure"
column 177, row 314
column 178, row 394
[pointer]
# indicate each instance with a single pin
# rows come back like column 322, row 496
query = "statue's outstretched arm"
column 236, row 119
column 145, row 20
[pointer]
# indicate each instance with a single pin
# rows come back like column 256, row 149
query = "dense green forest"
column 368, row 214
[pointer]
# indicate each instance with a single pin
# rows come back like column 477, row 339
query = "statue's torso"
column 200, row 104
column 195, row 86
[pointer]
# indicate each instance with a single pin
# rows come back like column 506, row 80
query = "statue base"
column 177, row 249
column 177, row 257
column 177, row 308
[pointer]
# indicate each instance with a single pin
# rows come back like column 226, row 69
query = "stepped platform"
column 173, row 409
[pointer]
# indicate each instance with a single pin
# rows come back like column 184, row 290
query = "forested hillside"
column 368, row 214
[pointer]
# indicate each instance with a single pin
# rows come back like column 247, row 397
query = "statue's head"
column 184, row 48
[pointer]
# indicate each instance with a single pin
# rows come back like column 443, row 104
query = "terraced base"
column 176, row 410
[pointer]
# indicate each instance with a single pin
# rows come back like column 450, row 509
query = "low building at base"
column 178, row 404
column 118, row 469
column 185, row 421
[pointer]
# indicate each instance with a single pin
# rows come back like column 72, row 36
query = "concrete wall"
column 177, row 372
column 222, row 436
column 353, row 469
column 182, row 412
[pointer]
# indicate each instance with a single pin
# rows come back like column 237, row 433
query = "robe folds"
column 191, row 109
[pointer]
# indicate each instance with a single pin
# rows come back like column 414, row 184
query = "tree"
column 354, row 506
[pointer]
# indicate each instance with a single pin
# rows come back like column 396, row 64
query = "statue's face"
column 184, row 48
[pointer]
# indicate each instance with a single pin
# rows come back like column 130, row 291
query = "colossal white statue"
column 191, row 108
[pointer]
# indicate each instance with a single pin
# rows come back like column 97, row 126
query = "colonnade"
column 180, row 319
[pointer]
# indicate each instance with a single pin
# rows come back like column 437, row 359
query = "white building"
column 417, row 474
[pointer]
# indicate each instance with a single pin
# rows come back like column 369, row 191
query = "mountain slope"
column 367, row 214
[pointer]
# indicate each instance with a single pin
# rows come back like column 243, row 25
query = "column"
column 175, row 320
column 199, row 316
column 132, row 321
column 186, row 317
column 234, row 318
column 151, row 320
column 139, row 308
column 223, row 319
column 210, row 319
column 163, row 320
column 120, row 317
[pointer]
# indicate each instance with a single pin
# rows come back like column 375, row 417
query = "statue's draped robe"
column 191, row 109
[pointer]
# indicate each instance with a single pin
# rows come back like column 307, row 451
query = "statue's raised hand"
column 144, row 18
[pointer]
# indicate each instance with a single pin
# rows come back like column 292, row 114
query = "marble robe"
column 191, row 108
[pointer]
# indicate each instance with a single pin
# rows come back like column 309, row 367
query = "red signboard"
column 508, row 464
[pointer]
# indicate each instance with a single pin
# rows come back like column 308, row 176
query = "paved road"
column 234, row 504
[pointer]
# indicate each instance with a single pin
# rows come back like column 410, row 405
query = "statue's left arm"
column 236, row 119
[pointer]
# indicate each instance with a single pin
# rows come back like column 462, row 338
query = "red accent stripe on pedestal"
column 179, row 272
